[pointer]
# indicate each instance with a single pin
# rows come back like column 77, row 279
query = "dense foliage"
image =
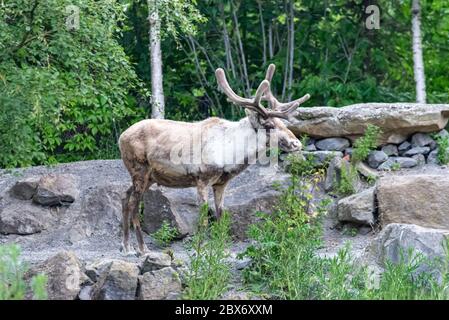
column 63, row 93
column 67, row 93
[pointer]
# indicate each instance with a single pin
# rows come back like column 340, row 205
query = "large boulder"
column 25, row 218
column 64, row 273
column 56, row 189
column 118, row 282
column 25, row 189
column 159, row 284
column 396, row 240
column 154, row 261
column 253, row 190
column 415, row 199
column 358, row 208
column 397, row 120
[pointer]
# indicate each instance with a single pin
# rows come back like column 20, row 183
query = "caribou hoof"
column 127, row 251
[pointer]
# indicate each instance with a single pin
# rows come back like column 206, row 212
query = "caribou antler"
column 263, row 93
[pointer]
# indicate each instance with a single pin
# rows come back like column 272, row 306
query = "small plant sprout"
column 165, row 234
column 364, row 145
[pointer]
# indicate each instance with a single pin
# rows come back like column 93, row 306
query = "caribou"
column 147, row 150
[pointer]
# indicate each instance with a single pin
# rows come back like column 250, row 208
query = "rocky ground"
column 67, row 218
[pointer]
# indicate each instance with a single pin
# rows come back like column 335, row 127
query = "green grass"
column 165, row 234
column 209, row 272
column 285, row 264
column 12, row 271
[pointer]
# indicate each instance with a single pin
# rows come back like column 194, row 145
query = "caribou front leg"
column 219, row 190
column 203, row 195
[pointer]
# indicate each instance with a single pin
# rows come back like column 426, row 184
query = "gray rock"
column 390, row 150
column 443, row 133
column 348, row 151
column 403, row 162
column 322, row 157
column 357, row 208
column 56, row 189
column 333, row 144
column 64, row 273
column 118, row 282
column 396, row 120
column 415, row 199
column 396, row 239
column 95, row 269
column 310, row 147
column 376, row 158
column 24, row 218
column 432, row 158
column 25, row 189
column 333, row 173
column 154, row 261
column 366, row 171
column 422, row 140
column 404, row 146
column 159, row 285
column 416, row 150
column 85, row 293
column 420, row 159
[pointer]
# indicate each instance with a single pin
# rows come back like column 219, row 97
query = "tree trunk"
column 157, row 90
column 292, row 50
column 242, row 52
column 287, row 55
column 270, row 40
column 227, row 43
column 418, row 64
column 262, row 26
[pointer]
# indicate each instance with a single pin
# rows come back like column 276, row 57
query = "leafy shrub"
column 12, row 271
column 209, row 272
column 165, row 234
column 443, row 149
column 64, row 94
column 285, row 263
column 365, row 144
column 348, row 179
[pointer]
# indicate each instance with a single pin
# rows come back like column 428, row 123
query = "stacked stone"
column 418, row 150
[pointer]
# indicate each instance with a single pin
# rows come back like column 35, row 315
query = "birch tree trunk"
column 418, row 64
column 292, row 50
column 270, row 40
column 227, row 43
column 242, row 52
column 157, row 89
column 262, row 27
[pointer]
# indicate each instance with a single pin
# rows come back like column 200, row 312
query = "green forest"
column 74, row 74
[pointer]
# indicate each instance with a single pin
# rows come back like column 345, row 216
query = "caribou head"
column 262, row 118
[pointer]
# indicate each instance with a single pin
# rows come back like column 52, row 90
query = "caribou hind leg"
column 141, row 181
column 126, row 248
